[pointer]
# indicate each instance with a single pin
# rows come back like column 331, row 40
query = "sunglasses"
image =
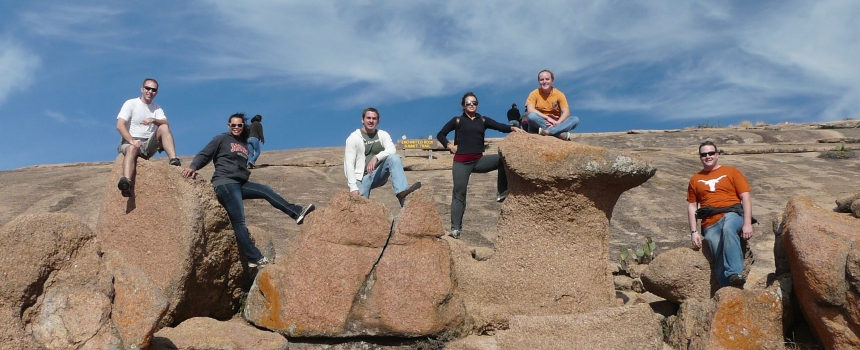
column 706, row 154
column 236, row 125
column 471, row 103
column 147, row 88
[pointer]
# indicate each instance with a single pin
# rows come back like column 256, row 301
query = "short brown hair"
column 369, row 109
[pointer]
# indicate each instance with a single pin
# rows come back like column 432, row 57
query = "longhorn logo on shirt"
column 234, row 147
column 712, row 183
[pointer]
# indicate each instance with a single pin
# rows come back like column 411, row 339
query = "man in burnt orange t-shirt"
column 720, row 197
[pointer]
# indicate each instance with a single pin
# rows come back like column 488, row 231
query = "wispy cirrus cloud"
column 700, row 58
column 18, row 67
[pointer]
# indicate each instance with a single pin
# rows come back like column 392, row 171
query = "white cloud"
column 17, row 67
column 668, row 59
column 707, row 58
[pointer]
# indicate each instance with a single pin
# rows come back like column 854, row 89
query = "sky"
column 310, row 67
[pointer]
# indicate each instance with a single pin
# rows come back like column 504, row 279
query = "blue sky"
column 310, row 67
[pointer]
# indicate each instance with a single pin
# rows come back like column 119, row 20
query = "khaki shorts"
column 148, row 147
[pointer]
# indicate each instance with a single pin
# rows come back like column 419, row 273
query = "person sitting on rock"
column 370, row 158
column 145, row 131
column 548, row 112
column 230, row 154
column 468, row 149
column 720, row 197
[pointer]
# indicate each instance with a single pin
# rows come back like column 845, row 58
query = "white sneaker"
column 501, row 197
column 455, row 234
column 262, row 262
column 305, row 211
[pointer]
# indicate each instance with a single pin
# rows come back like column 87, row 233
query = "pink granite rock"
column 208, row 333
column 823, row 250
column 552, row 244
column 174, row 230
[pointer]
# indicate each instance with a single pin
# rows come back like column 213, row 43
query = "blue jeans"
column 725, row 243
column 535, row 122
column 392, row 167
column 231, row 195
column 461, row 172
column 253, row 149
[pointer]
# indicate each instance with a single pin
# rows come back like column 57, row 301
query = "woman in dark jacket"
column 256, row 138
column 468, row 149
column 229, row 154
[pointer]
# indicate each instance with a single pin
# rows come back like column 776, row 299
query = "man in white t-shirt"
column 370, row 158
column 145, row 131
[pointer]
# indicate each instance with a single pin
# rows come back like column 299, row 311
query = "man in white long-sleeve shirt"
column 370, row 159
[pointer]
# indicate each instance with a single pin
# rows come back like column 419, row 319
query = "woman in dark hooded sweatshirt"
column 229, row 153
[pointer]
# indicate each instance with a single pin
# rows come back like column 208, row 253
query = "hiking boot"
column 259, row 263
column 401, row 197
column 501, row 197
column 175, row 161
column 736, row 280
column 305, row 211
column 124, row 186
column 455, row 234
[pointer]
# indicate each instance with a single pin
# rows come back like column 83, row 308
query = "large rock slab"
column 823, row 250
column 52, row 294
column 208, row 333
column 678, row 275
column 733, row 319
column 348, row 275
column 311, row 291
column 138, row 304
column 413, row 291
column 633, row 327
column 175, row 230
column 552, row 247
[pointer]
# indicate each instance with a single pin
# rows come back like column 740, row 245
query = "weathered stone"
column 734, row 319
column 208, row 333
column 175, row 230
column 552, row 248
column 402, row 286
column 823, row 250
column 311, row 290
column 482, row 253
column 855, row 208
column 843, row 204
column 630, row 327
column 138, row 304
column 52, row 294
column 622, row 282
column 414, row 282
column 679, row 274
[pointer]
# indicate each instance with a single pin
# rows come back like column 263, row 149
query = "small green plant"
column 641, row 255
column 839, row 151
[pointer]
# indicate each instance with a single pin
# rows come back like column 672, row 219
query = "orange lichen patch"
column 747, row 320
column 273, row 304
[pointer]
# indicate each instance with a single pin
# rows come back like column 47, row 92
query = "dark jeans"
column 461, row 173
column 231, row 196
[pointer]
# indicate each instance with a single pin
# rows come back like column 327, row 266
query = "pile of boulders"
column 162, row 270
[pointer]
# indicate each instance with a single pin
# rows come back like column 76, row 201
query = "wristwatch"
column 694, row 231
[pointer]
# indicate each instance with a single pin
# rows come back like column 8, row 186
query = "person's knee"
column 394, row 159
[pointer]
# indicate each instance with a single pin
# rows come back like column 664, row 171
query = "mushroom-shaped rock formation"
column 553, row 242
